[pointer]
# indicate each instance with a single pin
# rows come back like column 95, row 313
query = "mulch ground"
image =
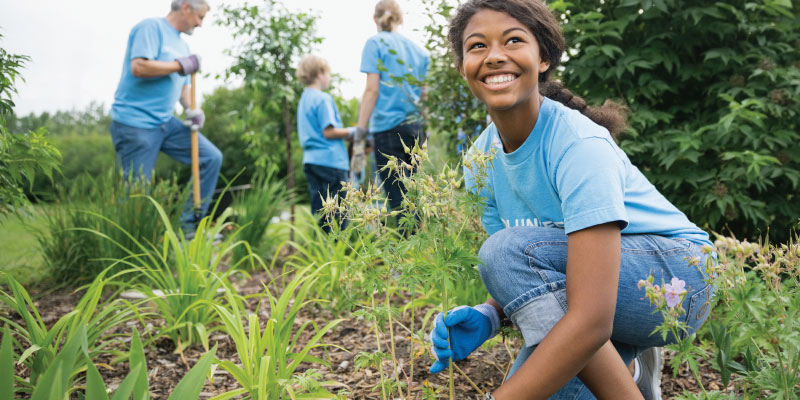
column 485, row 367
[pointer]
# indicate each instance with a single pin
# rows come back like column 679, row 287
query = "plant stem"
column 378, row 341
column 471, row 383
column 391, row 340
column 450, row 364
column 411, row 353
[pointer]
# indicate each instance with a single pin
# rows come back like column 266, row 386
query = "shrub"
column 714, row 98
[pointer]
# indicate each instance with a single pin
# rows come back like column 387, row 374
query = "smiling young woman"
column 572, row 222
column 501, row 64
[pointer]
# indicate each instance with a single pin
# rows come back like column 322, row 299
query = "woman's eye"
column 476, row 46
column 514, row 40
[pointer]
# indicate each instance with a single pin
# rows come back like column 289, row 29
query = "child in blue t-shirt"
column 574, row 224
column 319, row 127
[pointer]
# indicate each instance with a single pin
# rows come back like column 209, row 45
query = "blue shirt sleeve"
column 590, row 180
column 145, row 41
column 369, row 57
column 326, row 114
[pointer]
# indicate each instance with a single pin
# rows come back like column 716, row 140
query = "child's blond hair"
column 310, row 67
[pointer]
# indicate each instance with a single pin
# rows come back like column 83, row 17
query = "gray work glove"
column 194, row 119
column 359, row 159
column 359, row 134
column 189, row 64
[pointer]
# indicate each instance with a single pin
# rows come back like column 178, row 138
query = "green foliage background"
column 714, row 93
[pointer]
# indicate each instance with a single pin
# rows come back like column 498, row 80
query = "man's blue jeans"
column 524, row 269
column 137, row 149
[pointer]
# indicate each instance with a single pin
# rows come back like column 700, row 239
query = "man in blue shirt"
column 155, row 74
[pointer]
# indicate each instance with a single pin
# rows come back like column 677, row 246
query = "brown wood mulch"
column 485, row 367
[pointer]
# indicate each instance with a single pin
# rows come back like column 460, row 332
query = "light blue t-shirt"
column 570, row 174
column 315, row 112
column 150, row 102
column 391, row 54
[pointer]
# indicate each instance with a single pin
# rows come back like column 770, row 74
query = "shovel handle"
column 195, row 152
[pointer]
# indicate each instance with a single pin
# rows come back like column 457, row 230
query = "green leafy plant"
column 107, row 204
column 182, row 278
column 714, row 97
column 54, row 383
column 751, row 334
column 330, row 254
column 39, row 345
column 453, row 114
column 437, row 254
column 22, row 156
column 267, row 197
column 270, row 356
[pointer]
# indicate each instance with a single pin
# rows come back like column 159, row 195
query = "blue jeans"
column 322, row 182
column 390, row 143
column 524, row 269
column 137, row 150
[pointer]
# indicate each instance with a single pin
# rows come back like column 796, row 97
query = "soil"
column 485, row 367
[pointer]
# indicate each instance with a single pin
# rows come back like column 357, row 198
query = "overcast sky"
column 77, row 46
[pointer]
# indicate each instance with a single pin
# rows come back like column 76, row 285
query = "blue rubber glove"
column 467, row 328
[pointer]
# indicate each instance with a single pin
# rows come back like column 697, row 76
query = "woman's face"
column 501, row 60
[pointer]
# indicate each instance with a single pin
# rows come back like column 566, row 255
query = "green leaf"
column 141, row 388
column 56, row 378
column 95, row 388
column 6, row 366
column 126, row 388
column 190, row 386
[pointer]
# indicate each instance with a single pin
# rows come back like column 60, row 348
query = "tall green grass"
column 267, row 197
column 72, row 253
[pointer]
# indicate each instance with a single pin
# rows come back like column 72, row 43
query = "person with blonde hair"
column 319, row 127
column 389, row 110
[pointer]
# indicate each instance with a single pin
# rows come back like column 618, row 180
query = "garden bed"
column 352, row 336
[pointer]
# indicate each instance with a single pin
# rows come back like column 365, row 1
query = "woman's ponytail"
column 388, row 15
column 610, row 115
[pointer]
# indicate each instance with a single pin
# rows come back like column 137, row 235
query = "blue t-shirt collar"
column 531, row 142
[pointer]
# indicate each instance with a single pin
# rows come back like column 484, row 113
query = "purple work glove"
column 194, row 119
column 189, row 64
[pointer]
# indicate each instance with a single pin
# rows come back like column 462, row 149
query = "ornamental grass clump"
column 270, row 356
column 71, row 250
column 182, row 278
column 93, row 319
column 55, row 382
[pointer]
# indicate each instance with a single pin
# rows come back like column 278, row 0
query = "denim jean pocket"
column 699, row 308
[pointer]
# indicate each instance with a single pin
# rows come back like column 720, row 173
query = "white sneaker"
column 649, row 364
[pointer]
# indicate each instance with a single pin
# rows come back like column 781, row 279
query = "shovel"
column 195, row 156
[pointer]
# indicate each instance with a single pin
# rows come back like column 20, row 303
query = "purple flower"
column 673, row 291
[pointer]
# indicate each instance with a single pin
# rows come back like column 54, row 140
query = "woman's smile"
column 501, row 61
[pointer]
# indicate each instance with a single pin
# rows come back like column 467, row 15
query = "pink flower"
column 673, row 291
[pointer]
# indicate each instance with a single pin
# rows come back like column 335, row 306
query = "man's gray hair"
column 196, row 4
